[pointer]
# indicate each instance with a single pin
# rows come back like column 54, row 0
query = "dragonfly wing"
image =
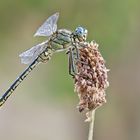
column 48, row 27
column 30, row 55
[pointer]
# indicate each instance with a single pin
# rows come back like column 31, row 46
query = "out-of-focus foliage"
column 45, row 102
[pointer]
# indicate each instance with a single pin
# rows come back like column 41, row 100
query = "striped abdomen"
column 43, row 57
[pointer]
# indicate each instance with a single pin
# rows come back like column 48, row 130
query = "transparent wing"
column 48, row 27
column 30, row 55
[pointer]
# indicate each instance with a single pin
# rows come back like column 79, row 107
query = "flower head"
column 91, row 78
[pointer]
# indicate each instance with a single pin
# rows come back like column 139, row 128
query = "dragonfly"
column 58, row 40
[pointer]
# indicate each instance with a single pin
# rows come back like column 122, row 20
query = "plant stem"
column 91, row 125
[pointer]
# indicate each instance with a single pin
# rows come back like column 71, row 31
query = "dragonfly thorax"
column 61, row 39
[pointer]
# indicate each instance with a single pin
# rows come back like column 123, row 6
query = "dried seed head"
column 91, row 78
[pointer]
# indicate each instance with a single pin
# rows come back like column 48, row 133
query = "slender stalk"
column 91, row 125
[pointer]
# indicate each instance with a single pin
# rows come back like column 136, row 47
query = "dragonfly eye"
column 81, row 33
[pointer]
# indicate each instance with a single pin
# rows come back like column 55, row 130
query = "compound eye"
column 79, row 30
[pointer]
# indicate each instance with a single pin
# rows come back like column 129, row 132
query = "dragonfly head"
column 81, row 33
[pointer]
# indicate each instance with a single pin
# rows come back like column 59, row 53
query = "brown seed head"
column 91, row 78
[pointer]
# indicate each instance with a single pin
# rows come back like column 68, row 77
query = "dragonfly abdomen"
column 43, row 57
column 18, row 81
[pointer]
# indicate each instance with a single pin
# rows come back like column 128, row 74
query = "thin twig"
column 91, row 125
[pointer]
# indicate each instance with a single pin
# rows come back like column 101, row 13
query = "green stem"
column 91, row 125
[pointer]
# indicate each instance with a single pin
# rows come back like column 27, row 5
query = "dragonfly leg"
column 72, row 68
column 70, row 64
column 76, row 48
column 82, row 62
column 77, row 58
column 45, row 56
column 75, row 51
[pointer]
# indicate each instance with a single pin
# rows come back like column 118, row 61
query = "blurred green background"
column 44, row 106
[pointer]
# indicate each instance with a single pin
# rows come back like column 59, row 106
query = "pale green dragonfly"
column 59, row 40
